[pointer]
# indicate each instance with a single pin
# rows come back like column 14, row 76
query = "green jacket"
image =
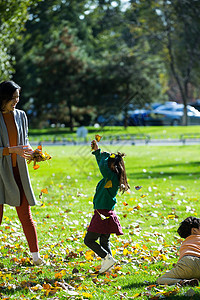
column 107, row 188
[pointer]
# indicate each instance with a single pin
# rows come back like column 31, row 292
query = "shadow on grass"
column 138, row 285
column 175, row 164
column 180, row 171
column 34, row 132
column 182, row 294
column 180, row 297
column 66, row 130
column 178, row 175
column 11, row 292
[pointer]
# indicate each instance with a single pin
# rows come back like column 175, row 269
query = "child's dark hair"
column 116, row 160
column 7, row 89
column 186, row 226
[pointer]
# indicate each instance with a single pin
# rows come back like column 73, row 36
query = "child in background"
column 187, row 270
column 105, row 221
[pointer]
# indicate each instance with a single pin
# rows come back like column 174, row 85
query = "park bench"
column 128, row 137
column 189, row 136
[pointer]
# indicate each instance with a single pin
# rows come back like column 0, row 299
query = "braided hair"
column 116, row 164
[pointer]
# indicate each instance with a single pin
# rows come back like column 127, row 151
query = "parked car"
column 172, row 114
column 196, row 104
column 110, row 120
column 142, row 117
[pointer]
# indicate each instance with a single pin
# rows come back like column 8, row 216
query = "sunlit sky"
column 90, row 6
column 125, row 5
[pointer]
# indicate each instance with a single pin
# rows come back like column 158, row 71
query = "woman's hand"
column 23, row 151
column 94, row 145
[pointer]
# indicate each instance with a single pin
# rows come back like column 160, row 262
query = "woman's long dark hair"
column 116, row 160
column 7, row 89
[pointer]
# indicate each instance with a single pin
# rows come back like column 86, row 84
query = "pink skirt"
column 108, row 225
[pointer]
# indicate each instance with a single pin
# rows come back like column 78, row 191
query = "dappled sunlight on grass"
column 64, row 187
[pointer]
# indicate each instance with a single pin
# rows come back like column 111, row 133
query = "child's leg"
column 186, row 268
column 90, row 241
column 168, row 279
column 105, row 242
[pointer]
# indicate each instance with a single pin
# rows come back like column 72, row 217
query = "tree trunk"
column 176, row 76
column 71, row 125
column 126, row 108
column 126, row 117
column 185, row 118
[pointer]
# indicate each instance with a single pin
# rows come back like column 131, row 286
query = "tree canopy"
column 13, row 16
column 95, row 56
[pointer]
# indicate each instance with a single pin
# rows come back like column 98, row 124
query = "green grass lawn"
column 154, row 132
column 169, row 177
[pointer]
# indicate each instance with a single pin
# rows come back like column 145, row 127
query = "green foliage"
column 62, row 65
column 78, row 63
column 125, row 75
column 107, row 56
column 14, row 15
column 171, row 29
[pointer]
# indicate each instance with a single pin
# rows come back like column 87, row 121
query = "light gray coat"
column 9, row 192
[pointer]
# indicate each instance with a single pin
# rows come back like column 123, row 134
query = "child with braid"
column 105, row 221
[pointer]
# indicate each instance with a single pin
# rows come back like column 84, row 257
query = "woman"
column 15, row 186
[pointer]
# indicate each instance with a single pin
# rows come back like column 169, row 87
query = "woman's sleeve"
column 6, row 151
column 3, row 150
column 26, row 130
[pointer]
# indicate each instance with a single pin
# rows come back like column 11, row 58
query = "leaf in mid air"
column 98, row 137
